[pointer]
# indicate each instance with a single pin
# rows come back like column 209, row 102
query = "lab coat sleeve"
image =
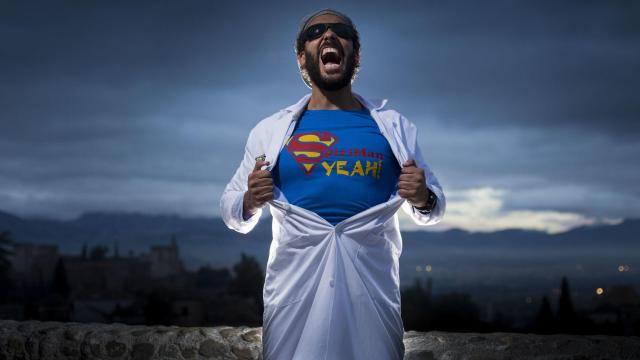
column 431, row 181
column 232, row 196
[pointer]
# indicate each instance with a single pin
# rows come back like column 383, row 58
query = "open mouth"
column 330, row 58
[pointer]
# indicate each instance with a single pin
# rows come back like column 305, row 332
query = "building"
column 164, row 259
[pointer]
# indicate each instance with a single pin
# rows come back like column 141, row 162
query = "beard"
column 313, row 71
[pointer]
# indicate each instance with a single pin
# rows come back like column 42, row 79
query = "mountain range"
column 208, row 241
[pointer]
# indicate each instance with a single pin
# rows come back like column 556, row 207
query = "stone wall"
column 56, row 340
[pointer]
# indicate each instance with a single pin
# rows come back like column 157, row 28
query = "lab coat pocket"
column 376, row 261
column 287, row 280
column 271, row 310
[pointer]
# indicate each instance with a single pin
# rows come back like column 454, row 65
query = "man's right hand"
column 260, row 190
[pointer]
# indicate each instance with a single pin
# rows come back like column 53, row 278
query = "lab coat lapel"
column 278, row 137
column 389, row 127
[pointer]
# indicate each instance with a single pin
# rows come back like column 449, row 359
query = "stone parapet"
column 60, row 340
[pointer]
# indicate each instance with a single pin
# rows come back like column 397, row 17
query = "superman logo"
column 309, row 148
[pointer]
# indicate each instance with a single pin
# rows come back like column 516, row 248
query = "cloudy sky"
column 528, row 112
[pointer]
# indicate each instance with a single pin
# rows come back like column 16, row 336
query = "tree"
column 246, row 287
column 416, row 305
column 455, row 311
column 544, row 321
column 116, row 251
column 60, row 281
column 566, row 312
column 249, row 279
column 206, row 277
column 5, row 264
column 157, row 309
column 98, row 252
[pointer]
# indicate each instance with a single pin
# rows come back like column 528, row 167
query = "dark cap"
column 307, row 19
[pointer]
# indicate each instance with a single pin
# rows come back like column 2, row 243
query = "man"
column 338, row 167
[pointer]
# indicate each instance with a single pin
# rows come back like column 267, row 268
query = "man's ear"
column 301, row 61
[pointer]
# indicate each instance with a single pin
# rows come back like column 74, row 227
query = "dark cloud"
column 141, row 105
column 541, row 64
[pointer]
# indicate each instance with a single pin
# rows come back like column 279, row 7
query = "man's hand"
column 412, row 184
column 260, row 190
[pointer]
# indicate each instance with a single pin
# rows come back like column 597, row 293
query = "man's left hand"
column 412, row 184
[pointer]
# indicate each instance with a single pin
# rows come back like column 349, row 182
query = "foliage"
column 6, row 243
column 98, row 252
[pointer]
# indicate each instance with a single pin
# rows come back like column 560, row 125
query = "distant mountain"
column 625, row 233
column 201, row 240
column 208, row 240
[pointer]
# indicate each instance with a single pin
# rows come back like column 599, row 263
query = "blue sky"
column 528, row 112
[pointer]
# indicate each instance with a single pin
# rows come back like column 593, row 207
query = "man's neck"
column 341, row 99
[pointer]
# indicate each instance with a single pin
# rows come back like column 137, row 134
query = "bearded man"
column 334, row 168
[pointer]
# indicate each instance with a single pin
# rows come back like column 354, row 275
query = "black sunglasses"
column 315, row 31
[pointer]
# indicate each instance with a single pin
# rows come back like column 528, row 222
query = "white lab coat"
column 331, row 292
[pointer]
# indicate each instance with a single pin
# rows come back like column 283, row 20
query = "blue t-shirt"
column 336, row 163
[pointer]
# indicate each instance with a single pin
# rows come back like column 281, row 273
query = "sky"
column 528, row 112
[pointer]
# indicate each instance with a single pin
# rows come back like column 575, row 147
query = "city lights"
column 623, row 268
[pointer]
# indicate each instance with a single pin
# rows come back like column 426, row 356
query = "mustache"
column 336, row 45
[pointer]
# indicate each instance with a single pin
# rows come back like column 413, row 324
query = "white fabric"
column 331, row 292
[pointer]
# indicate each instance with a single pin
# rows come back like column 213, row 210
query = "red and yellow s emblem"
column 309, row 148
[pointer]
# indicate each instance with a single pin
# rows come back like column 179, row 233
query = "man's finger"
column 265, row 197
column 408, row 185
column 409, row 162
column 409, row 170
column 408, row 177
column 259, row 174
column 259, row 165
column 262, row 189
column 263, row 181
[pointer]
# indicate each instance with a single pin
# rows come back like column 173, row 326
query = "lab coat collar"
column 375, row 104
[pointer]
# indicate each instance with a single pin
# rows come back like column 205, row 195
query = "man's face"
column 329, row 69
